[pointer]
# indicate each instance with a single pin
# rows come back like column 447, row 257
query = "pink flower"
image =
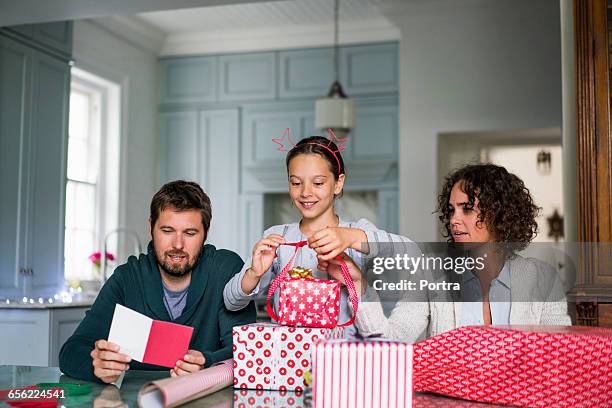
column 97, row 256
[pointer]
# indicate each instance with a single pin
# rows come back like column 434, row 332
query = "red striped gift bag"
column 362, row 374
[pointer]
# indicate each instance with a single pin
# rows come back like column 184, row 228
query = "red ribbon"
column 284, row 275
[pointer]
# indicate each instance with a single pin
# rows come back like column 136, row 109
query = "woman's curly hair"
column 505, row 204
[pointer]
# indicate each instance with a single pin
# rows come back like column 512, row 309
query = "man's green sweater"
column 137, row 284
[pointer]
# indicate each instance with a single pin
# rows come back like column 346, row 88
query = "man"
column 180, row 280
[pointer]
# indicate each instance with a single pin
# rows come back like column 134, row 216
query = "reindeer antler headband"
column 282, row 147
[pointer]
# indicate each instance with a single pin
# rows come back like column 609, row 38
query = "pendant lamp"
column 335, row 111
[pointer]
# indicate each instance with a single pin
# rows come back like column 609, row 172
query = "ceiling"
column 267, row 25
column 187, row 27
column 263, row 14
column 14, row 12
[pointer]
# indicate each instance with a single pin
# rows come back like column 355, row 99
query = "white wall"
column 469, row 66
column 104, row 54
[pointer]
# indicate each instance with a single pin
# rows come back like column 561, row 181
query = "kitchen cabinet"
column 188, row 80
column 365, row 70
column 34, row 94
column 370, row 157
column 202, row 146
column 224, row 141
column 35, row 335
column 306, row 73
column 370, row 69
column 55, row 37
column 15, row 67
column 244, row 77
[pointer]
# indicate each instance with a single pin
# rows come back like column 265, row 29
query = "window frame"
column 105, row 111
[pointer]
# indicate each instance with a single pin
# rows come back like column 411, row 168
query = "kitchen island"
column 33, row 333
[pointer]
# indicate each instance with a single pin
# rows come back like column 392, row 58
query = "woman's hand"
column 332, row 241
column 263, row 255
column 334, row 269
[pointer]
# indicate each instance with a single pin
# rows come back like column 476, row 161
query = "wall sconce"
column 544, row 162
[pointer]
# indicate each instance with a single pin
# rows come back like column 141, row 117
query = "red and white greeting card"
column 147, row 340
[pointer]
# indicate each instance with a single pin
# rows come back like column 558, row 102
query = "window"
column 92, row 172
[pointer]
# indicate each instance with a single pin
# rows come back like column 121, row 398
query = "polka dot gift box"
column 268, row 356
column 266, row 398
column 525, row 366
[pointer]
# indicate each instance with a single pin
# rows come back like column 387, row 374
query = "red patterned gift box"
column 309, row 302
column 528, row 366
column 272, row 357
column 362, row 374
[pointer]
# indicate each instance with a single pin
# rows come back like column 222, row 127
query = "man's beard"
column 177, row 271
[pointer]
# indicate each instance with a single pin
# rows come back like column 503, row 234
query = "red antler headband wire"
column 331, row 136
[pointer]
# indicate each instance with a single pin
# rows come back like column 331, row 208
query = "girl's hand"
column 264, row 252
column 334, row 269
column 332, row 241
column 263, row 255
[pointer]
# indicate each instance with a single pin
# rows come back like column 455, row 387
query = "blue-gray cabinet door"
column 218, row 171
column 56, row 35
column 14, row 118
column 262, row 164
column 306, row 73
column 186, row 80
column 245, row 77
column 46, row 163
column 388, row 210
column 26, row 30
column 376, row 133
column 204, row 147
column 178, row 141
column 370, row 69
column 263, row 123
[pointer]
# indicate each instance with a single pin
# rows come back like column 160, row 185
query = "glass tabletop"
column 107, row 396
column 101, row 395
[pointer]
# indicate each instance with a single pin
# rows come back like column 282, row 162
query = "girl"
column 316, row 177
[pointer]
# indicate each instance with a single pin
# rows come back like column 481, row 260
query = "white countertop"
column 55, row 305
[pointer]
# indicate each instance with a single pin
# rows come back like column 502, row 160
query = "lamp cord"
column 336, row 46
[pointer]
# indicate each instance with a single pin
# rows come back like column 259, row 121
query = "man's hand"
column 108, row 363
column 109, row 397
column 332, row 241
column 192, row 361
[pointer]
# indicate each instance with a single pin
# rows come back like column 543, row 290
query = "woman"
column 490, row 212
